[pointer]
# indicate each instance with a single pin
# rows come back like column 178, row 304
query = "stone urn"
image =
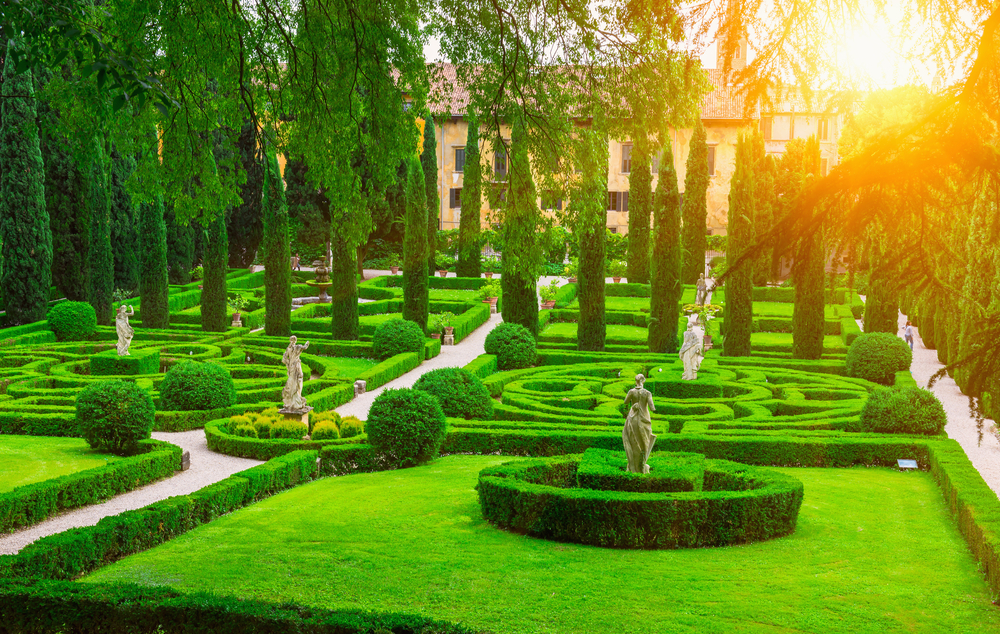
column 488, row 274
column 616, row 279
column 443, row 273
column 435, row 335
column 549, row 305
column 449, row 330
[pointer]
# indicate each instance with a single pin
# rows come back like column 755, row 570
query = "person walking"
column 295, row 262
column 908, row 333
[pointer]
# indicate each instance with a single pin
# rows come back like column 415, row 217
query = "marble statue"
column 638, row 432
column 291, row 396
column 702, row 291
column 691, row 353
column 125, row 331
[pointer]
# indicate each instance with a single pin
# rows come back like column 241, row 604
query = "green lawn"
column 29, row 459
column 454, row 295
column 770, row 340
column 617, row 333
column 784, row 309
column 349, row 367
column 875, row 551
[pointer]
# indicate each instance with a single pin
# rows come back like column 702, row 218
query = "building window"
column 617, row 201
column 626, row 158
column 765, row 128
column 550, row 201
column 460, row 159
column 791, row 127
column 500, row 162
column 455, row 200
column 711, row 160
column 824, row 166
column 824, row 131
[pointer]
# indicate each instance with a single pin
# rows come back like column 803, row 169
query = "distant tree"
column 416, row 291
column 640, row 209
column 180, row 248
column 307, row 205
column 428, row 161
column 102, row 259
column 739, row 286
column 277, row 270
column 344, row 318
column 522, row 253
column 153, row 283
column 124, row 235
column 665, row 284
column 695, row 211
column 213, row 293
column 808, row 313
column 245, row 223
column 469, row 250
column 589, row 224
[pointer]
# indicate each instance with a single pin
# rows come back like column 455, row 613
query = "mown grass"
column 29, row 459
column 875, row 551
column 614, row 332
column 349, row 367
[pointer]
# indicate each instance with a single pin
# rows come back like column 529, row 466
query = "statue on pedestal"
column 291, row 396
column 125, row 331
column 690, row 354
column 638, row 432
column 702, row 291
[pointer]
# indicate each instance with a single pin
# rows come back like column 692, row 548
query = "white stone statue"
column 701, row 289
column 125, row 332
column 638, row 432
column 691, row 353
column 291, row 396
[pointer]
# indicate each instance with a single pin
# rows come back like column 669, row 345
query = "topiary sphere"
column 513, row 345
column 396, row 337
column 72, row 321
column 902, row 410
column 877, row 356
column 191, row 385
column 460, row 392
column 406, row 425
column 325, row 430
column 114, row 416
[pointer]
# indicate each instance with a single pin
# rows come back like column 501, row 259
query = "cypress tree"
column 521, row 253
column 102, row 259
column 764, row 216
column 213, row 293
column 808, row 317
column 124, row 236
column 345, row 322
column 591, row 219
column 245, row 224
column 640, row 209
column 428, row 161
column 180, row 248
column 739, row 288
column 277, row 270
column 695, row 205
column 469, row 251
column 665, row 285
column 416, row 291
column 24, row 220
column 153, row 288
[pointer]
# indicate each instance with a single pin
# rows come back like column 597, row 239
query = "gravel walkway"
column 961, row 426
column 207, row 467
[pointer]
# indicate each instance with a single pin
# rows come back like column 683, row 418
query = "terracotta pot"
column 394, row 269
column 549, row 305
column 571, row 280
column 199, row 287
column 617, row 279
column 488, row 274
column 492, row 301
column 435, row 335
column 449, row 330
column 443, row 273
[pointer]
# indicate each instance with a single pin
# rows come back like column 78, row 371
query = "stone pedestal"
column 300, row 415
column 493, row 309
column 185, row 461
column 449, row 340
column 237, row 322
column 360, row 387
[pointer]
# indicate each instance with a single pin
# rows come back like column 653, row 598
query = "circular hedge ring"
column 546, row 498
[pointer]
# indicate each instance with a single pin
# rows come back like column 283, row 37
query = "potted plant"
column 490, row 266
column 443, row 261
column 490, row 292
column 570, row 271
column 434, row 326
column 617, row 268
column 237, row 303
column 447, row 321
column 394, row 263
column 548, row 294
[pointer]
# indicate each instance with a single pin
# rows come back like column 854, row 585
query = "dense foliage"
column 640, row 209
column 695, row 211
column 665, row 287
column 877, row 356
column 460, row 393
column 739, row 284
column 102, row 259
column 416, row 291
column 153, row 283
column 513, row 344
column 587, row 203
column 397, row 336
column 407, row 426
column 428, row 164
column 245, row 223
column 124, row 233
column 277, row 270
column 344, row 319
column 214, row 313
column 902, row 410
column 469, row 250
column 195, row 386
column 808, row 314
column 114, row 416
column 72, row 321
column 522, row 253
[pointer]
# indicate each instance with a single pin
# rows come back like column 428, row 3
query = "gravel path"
column 207, row 467
column 961, row 426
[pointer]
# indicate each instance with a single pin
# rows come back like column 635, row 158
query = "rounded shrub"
column 513, row 345
column 191, row 386
column 72, row 321
column 324, row 417
column 351, row 426
column 288, row 429
column 406, row 425
column 325, row 430
column 114, row 416
column 902, row 410
column 245, row 431
column 877, row 356
column 460, row 393
column 397, row 336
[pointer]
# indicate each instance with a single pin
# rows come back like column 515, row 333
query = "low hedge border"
column 390, row 369
column 220, row 440
column 77, row 551
column 740, row 504
column 33, row 503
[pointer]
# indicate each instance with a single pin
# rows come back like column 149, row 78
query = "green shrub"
column 877, row 356
column 460, row 393
column 902, row 410
column 263, row 427
column 325, row 430
column 197, row 386
column 406, row 425
column 324, row 417
column 397, row 336
column 245, row 431
column 513, row 345
column 351, row 426
column 72, row 321
column 114, row 416
column 288, row 429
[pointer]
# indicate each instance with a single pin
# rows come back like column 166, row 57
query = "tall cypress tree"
column 124, row 236
column 245, row 224
column 345, row 321
column 277, row 270
column 739, row 288
column 428, row 162
column 180, row 248
column 665, row 288
column 102, row 259
column 24, row 220
column 640, row 208
column 213, row 293
column 808, row 317
column 416, row 291
column 153, row 288
column 522, row 254
column 469, row 251
column 587, row 203
column 695, row 210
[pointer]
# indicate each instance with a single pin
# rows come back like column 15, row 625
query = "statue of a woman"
column 638, row 432
column 125, row 332
column 291, row 396
column 701, row 290
column 690, row 354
